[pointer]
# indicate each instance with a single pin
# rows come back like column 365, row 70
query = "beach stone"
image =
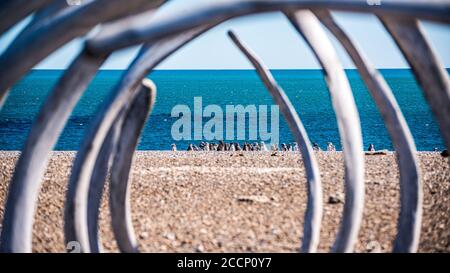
column 373, row 247
column 254, row 198
column 335, row 199
column 199, row 249
column 170, row 236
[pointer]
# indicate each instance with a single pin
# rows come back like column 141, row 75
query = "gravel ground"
column 241, row 202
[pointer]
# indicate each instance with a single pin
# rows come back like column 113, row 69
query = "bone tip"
column 231, row 34
column 149, row 84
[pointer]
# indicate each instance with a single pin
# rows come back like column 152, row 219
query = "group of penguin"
column 234, row 146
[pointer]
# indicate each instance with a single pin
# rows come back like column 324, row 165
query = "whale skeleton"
column 106, row 143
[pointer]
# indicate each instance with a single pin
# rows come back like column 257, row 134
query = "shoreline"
column 15, row 152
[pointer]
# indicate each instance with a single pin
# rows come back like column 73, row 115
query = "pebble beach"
column 243, row 201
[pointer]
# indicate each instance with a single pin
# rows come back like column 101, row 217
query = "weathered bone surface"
column 348, row 123
column 313, row 214
column 399, row 132
column 119, row 194
column 112, row 136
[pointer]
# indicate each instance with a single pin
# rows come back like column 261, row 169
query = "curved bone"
column 427, row 68
column 435, row 83
column 97, row 184
column 118, row 134
column 149, row 57
column 398, row 129
column 128, row 120
column 12, row 11
column 75, row 216
column 219, row 11
column 119, row 193
column 23, row 54
column 348, row 122
column 313, row 215
column 24, row 187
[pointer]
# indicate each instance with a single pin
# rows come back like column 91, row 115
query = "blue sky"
column 269, row 35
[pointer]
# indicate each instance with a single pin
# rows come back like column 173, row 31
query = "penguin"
column 206, row 148
column 232, row 147
column 238, row 147
column 202, row 145
column 316, row 147
column 371, row 148
column 174, row 147
column 330, row 147
column 256, row 146
column 221, row 146
column 263, row 146
column 283, row 147
column 274, row 147
column 190, row 147
column 296, row 147
column 227, row 146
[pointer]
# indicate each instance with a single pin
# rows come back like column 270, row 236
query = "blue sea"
column 306, row 89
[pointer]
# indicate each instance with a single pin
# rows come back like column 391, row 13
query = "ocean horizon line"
column 229, row 69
